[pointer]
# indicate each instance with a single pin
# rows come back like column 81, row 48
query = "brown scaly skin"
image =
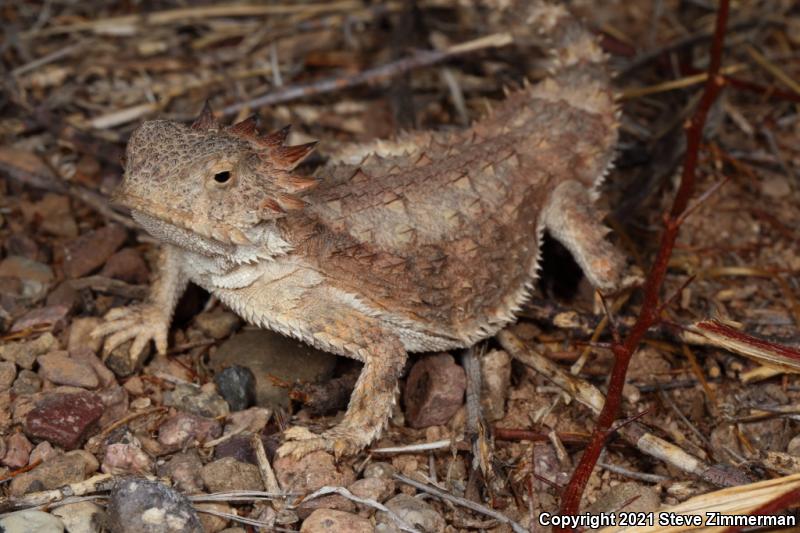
column 427, row 242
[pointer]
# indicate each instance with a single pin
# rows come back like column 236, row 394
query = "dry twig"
column 381, row 73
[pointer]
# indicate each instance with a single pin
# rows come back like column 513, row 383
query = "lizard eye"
column 222, row 177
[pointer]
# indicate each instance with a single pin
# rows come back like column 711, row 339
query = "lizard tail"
column 578, row 69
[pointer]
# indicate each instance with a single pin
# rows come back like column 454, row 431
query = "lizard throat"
column 167, row 215
column 267, row 242
column 171, row 233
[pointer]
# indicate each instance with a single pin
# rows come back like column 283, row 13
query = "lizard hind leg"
column 572, row 219
column 384, row 357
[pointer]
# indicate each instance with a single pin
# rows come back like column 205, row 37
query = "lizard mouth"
column 143, row 209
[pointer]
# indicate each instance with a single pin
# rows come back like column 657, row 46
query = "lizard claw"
column 299, row 441
column 142, row 323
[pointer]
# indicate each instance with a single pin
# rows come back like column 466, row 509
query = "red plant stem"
column 648, row 315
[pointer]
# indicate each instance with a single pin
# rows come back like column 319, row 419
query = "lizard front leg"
column 150, row 319
column 303, row 307
column 572, row 219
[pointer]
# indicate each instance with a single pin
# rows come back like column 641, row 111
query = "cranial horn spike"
column 276, row 138
column 272, row 205
column 294, row 183
column 289, row 202
column 245, row 128
column 206, row 120
column 288, row 157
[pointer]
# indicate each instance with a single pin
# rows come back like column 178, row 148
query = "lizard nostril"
column 222, row 177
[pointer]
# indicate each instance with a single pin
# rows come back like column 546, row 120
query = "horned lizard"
column 426, row 242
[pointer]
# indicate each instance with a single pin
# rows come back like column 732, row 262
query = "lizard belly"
column 269, row 294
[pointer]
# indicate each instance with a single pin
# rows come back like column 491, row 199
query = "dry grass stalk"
column 740, row 500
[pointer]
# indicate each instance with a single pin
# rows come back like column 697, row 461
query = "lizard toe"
column 119, row 337
column 109, row 328
column 300, row 448
column 118, row 313
column 299, row 441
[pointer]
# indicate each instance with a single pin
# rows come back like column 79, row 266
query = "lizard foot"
column 299, row 441
column 142, row 323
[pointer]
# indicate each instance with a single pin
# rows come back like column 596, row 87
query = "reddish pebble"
column 50, row 317
column 64, row 419
column 19, row 450
column 184, row 428
column 434, row 390
column 126, row 265
column 91, row 250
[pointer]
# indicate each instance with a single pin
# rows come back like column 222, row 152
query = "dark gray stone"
column 237, row 384
column 142, row 506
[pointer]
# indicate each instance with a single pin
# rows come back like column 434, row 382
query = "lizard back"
column 444, row 229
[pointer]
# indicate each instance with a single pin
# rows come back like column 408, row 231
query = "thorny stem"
column 648, row 315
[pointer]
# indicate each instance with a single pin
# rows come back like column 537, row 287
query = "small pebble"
column 43, row 451
column 183, row 428
column 31, row 522
column 8, row 373
column 24, row 354
column 229, row 474
column 237, row 385
column 323, row 520
column 27, row 382
column 373, row 488
column 91, row 250
column 380, row 469
column 52, row 317
column 213, row 523
column 59, row 368
column 52, row 215
column 115, row 401
column 142, row 506
column 35, row 278
column 434, row 390
column 64, row 419
column 119, row 361
column 66, row 295
column 184, row 469
column 414, row 511
column 252, row 420
column 311, row 472
column 60, row 470
column 195, row 400
column 124, row 458
column 217, row 324
column 18, row 450
column 126, row 265
column 81, row 517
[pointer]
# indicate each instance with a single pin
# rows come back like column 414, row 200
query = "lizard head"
column 215, row 181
